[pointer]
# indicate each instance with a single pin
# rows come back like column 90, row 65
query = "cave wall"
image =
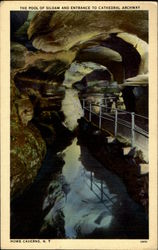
column 52, row 52
column 27, row 147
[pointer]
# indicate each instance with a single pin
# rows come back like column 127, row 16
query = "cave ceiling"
column 117, row 40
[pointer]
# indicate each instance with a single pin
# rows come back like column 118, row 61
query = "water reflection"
column 93, row 200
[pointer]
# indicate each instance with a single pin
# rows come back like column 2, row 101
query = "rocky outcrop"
column 25, row 109
column 18, row 54
column 66, row 30
column 72, row 109
column 27, row 146
column 111, row 156
column 54, row 202
column 90, row 81
column 142, row 48
column 120, row 48
column 120, row 45
column 27, row 152
column 57, row 59
column 62, row 62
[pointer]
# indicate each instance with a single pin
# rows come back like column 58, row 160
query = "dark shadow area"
column 130, row 56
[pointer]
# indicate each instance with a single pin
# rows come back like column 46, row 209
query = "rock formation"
column 57, row 59
column 27, row 146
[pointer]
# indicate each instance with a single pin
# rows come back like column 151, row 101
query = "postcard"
column 78, row 125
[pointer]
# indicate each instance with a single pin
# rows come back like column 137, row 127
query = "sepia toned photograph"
column 79, row 121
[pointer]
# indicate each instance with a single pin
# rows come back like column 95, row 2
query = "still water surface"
column 94, row 201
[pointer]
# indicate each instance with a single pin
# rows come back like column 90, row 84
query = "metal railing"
column 134, row 122
column 94, row 183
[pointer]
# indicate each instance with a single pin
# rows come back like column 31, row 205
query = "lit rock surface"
column 27, row 152
column 18, row 55
column 105, row 54
column 25, row 109
column 62, row 50
column 67, row 31
column 142, row 47
column 64, row 30
column 71, row 108
column 27, row 146
column 57, row 58
column 78, row 70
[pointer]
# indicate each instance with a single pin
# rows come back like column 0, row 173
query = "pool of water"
column 91, row 201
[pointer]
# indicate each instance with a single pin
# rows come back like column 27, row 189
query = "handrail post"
column 132, row 128
column 100, row 114
column 116, row 117
column 101, row 197
column 91, row 180
column 106, row 106
column 101, row 101
column 90, row 109
column 83, row 107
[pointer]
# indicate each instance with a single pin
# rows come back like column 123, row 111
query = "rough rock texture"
column 54, row 66
column 27, row 152
column 90, row 81
column 67, row 31
column 78, row 70
column 51, row 224
column 56, row 59
column 72, row 109
column 117, row 43
column 25, row 109
column 18, row 54
column 27, row 146
column 72, row 25
column 111, row 155
column 111, row 39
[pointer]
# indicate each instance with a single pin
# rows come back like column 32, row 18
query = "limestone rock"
column 27, row 152
column 78, row 70
column 65, row 30
column 72, row 109
column 25, row 109
column 27, row 146
column 103, row 53
column 18, row 55
column 141, row 46
column 51, row 103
